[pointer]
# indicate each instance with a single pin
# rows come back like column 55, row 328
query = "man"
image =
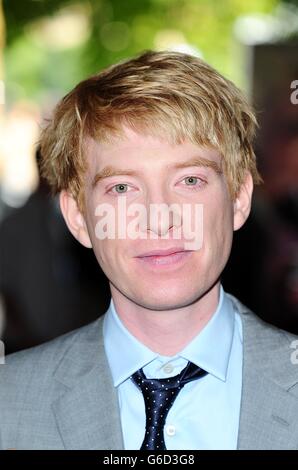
column 176, row 363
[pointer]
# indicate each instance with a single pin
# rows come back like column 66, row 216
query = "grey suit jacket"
column 60, row 395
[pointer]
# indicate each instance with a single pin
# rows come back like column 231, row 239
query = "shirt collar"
column 210, row 349
column 129, row 354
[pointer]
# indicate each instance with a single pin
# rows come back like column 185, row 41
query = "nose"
column 162, row 214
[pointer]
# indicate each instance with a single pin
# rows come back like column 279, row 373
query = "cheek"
column 105, row 252
column 102, row 247
column 218, row 225
column 111, row 257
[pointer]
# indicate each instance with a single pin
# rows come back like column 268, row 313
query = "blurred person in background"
column 49, row 284
column 272, row 273
column 278, row 149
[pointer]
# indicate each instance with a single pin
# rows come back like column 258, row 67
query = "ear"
column 74, row 219
column 242, row 203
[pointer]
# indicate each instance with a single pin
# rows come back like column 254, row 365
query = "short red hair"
column 165, row 94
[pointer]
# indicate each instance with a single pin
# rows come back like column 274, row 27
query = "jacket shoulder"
column 31, row 380
column 39, row 362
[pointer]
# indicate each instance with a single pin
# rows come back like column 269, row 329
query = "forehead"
column 131, row 147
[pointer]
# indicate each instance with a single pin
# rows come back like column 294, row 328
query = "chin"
column 161, row 300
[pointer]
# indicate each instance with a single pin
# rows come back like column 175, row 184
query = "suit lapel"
column 87, row 412
column 268, row 414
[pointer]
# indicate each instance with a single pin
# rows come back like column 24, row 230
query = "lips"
column 167, row 252
column 164, row 259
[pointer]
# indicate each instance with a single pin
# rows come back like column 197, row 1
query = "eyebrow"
column 109, row 170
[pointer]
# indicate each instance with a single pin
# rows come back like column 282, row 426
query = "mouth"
column 164, row 258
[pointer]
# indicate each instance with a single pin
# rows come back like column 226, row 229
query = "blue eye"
column 120, row 188
column 191, row 180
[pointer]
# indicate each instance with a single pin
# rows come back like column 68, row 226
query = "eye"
column 193, row 183
column 120, row 188
column 191, row 180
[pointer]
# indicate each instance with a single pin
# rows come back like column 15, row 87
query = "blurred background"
column 49, row 284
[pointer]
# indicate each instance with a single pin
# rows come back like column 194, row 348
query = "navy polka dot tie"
column 159, row 395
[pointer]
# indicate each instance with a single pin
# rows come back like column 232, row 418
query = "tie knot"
column 189, row 373
column 152, row 385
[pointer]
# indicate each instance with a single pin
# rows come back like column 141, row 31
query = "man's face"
column 145, row 170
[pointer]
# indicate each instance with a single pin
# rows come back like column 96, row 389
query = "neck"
column 166, row 332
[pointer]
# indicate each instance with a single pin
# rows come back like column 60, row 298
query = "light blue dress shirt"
column 205, row 415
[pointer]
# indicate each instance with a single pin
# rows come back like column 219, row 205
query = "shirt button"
column 170, row 430
column 168, row 368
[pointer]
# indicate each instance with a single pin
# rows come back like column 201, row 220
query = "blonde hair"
column 165, row 94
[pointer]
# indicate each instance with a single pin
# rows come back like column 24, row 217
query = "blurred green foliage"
column 117, row 29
